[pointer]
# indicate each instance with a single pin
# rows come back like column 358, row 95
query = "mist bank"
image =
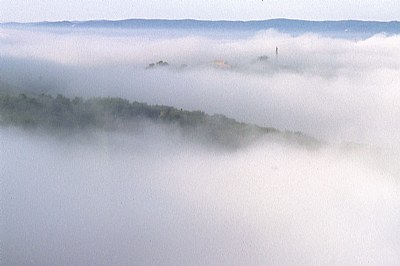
column 151, row 198
column 332, row 89
column 128, row 183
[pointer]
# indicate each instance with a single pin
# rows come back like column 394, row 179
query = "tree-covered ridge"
column 109, row 113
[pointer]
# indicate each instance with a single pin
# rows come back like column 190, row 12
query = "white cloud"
column 335, row 89
column 151, row 198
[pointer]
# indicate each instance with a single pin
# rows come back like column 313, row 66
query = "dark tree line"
column 62, row 113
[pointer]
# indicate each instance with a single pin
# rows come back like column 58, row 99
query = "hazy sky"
column 39, row 10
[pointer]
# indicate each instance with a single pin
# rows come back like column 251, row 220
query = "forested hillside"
column 62, row 113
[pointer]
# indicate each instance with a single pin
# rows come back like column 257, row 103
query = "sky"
column 50, row 10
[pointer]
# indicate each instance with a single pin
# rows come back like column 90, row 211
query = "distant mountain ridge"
column 285, row 25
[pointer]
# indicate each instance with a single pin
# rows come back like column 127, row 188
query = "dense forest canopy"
column 110, row 113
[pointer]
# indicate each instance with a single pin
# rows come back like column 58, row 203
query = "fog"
column 335, row 89
column 149, row 198
column 152, row 197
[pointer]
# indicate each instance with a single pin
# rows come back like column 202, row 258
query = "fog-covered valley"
column 147, row 194
column 335, row 89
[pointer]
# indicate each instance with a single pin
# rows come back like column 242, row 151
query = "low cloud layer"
column 148, row 198
column 335, row 89
column 154, row 198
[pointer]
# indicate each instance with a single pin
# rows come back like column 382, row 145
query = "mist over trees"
column 104, row 159
column 61, row 113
